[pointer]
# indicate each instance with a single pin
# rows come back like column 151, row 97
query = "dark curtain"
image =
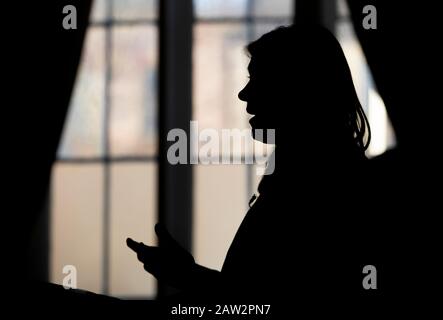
column 405, row 63
column 40, row 81
column 401, row 56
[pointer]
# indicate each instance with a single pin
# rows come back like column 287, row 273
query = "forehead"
column 260, row 66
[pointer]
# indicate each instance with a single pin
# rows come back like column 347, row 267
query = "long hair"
column 309, row 66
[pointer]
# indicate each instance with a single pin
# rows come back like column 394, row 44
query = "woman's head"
column 301, row 86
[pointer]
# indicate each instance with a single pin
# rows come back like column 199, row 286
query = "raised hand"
column 170, row 263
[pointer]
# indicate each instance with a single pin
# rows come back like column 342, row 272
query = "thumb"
column 164, row 236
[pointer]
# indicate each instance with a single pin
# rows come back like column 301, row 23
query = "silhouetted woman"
column 300, row 239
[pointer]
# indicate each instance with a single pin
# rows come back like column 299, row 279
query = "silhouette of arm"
column 172, row 264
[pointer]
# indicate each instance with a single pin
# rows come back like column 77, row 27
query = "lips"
column 250, row 110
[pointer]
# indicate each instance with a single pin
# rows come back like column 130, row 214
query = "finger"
column 138, row 247
column 134, row 245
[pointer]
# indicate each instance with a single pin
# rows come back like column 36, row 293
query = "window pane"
column 356, row 60
column 274, row 8
column 76, row 223
column 133, row 91
column 99, row 10
column 220, row 72
column 342, row 8
column 221, row 192
column 243, row 8
column 382, row 133
column 220, row 8
column 254, row 179
column 133, row 214
column 383, row 136
column 82, row 134
column 258, row 29
column 135, row 9
column 220, row 197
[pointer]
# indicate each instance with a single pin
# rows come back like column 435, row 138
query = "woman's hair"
column 308, row 63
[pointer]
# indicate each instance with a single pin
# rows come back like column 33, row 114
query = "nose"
column 242, row 94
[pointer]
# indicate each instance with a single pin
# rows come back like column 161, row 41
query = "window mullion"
column 175, row 111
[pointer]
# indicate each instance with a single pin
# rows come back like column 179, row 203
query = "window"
column 104, row 182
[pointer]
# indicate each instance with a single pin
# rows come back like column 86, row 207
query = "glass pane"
column 221, row 192
column 356, row 60
column 99, row 11
column 76, row 223
column 220, row 8
column 220, row 72
column 258, row 29
column 383, row 136
column 82, row 134
column 342, row 8
column 133, row 214
column 243, row 8
column 135, row 9
column 220, row 204
column 274, row 8
column 134, row 91
column 254, row 179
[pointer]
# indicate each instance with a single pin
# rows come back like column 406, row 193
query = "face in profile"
column 300, row 85
column 261, row 99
